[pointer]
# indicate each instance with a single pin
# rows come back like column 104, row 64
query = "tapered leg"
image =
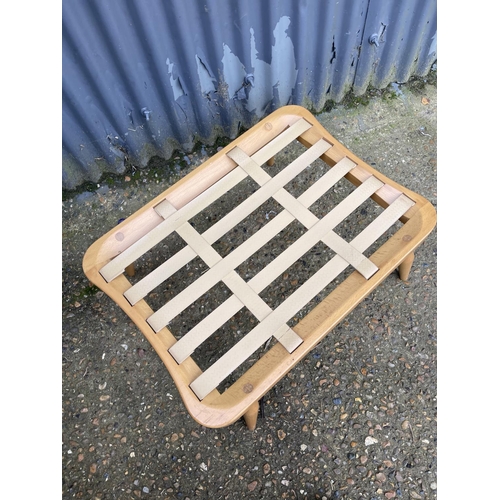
column 270, row 162
column 251, row 415
column 405, row 266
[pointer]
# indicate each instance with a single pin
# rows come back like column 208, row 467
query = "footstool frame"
column 110, row 262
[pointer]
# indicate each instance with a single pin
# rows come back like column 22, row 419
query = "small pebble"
column 252, row 485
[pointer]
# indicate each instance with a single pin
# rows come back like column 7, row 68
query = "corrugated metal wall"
column 143, row 78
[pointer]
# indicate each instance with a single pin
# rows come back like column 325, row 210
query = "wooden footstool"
column 238, row 270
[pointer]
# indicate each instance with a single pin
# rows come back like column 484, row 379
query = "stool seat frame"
column 111, row 261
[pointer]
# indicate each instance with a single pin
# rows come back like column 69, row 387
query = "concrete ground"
column 356, row 419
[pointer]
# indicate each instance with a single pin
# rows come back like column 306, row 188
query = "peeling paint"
column 262, row 92
column 234, row 71
column 270, row 80
column 206, row 79
column 298, row 52
column 281, row 74
column 175, row 81
column 284, row 68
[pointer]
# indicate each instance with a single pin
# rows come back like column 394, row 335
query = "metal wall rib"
column 145, row 78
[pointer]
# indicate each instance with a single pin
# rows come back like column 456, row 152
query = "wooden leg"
column 270, row 162
column 251, row 416
column 130, row 270
column 405, row 266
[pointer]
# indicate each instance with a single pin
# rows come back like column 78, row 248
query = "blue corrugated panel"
column 406, row 46
column 144, row 78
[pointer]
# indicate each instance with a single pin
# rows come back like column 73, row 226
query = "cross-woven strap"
column 223, row 269
column 233, row 358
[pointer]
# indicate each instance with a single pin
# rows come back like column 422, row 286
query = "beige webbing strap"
column 201, row 247
column 161, row 317
column 159, row 275
column 117, row 266
column 287, row 337
column 278, row 143
column 247, row 296
column 206, row 281
column 314, row 235
column 185, row 346
column 165, row 209
column 292, row 253
column 304, row 216
column 244, row 209
column 196, row 336
column 382, row 223
column 111, row 270
column 233, row 358
column 349, row 253
column 236, row 284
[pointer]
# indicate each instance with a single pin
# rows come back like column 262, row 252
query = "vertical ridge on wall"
column 406, row 46
column 145, row 78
